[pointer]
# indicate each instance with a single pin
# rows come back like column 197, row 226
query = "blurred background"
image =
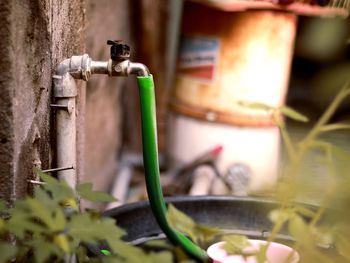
column 206, row 59
column 209, row 59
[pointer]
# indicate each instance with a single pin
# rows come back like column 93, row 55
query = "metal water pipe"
column 65, row 92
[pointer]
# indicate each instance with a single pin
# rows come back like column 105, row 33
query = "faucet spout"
column 119, row 63
column 138, row 69
column 126, row 68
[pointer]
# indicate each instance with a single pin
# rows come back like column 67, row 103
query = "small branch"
column 334, row 127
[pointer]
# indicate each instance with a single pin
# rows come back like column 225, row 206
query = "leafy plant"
column 327, row 226
column 199, row 233
column 50, row 228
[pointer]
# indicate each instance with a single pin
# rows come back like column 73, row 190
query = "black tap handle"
column 119, row 51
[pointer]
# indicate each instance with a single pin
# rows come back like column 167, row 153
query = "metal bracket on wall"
column 58, row 169
column 50, row 171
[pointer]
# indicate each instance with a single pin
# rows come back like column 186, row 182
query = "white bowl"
column 276, row 253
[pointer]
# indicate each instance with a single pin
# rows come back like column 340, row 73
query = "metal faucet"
column 65, row 92
column 119, row 63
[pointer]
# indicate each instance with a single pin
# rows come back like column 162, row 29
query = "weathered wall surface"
column 6, row 114
column 68, row 38
column 35, row 36
column 106, row 19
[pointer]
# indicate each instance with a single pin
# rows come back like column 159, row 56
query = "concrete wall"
column 35, row 36
column 106, row 19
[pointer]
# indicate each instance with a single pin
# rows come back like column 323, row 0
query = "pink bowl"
column 276, row 253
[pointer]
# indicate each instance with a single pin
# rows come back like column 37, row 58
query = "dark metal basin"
column 235, row 215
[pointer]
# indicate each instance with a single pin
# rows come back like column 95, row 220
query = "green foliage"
column 199, row 233
column 8, row 251
column 235, row 243
column 318, row 229
column 325, row 226
column 49, row 228
column 285, row 110
column 204, row 234
column 85, row 191
column 289, row 112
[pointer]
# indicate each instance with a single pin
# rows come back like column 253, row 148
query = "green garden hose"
column 150, row 160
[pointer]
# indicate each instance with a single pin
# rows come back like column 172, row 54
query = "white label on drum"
column 198, row 58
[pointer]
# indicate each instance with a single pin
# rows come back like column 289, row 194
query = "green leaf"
column 71, row 203
column 289, row 112
column 256, row 105
column 34, row 212
column 299, row 230
column 89, row 229
column 33, row 216
column 261, row 254
column 21, row 223
column 304, row 211
column 43, row 196
column 235, row 244
column 60, row 192
column 179, row 220
column 62, row 242
column 128, row 252
column 44, row 250
column 85, row 192
column 59, row 220
column 41, row 212
column 183, row 223
column 286, row 111
column 164, row 256
column 7, row 252
column 47, row 178
column 57, row 190
column 205, row 233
